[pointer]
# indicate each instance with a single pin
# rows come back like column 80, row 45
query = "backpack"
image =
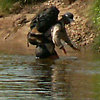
column 34, row 37
column 45, row 19
column 40, row 24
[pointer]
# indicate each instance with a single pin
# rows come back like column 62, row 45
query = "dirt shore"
column 14, row 28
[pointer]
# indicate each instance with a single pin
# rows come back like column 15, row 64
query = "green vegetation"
column 96, row 21
column 96, row 12
column 5, row 5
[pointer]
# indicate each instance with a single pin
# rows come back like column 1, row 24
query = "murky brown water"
column 68, row 78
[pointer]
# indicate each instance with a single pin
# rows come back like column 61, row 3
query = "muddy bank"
column 14, row 28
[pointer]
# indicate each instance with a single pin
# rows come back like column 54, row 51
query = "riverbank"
column 14, row 27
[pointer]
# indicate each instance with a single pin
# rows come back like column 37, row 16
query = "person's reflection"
column 42, row 70
column 61, row 86
column 52, row 80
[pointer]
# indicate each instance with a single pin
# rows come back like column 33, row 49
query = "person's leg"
column 42, row 52
column 46, row 51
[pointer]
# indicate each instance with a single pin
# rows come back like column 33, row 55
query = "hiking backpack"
column 45, row 19
column 40, row 24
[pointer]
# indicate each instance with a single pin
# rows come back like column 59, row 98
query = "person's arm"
column 68, row 41
column 56, row 31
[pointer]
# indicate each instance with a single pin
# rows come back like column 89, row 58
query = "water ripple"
column 24, row 78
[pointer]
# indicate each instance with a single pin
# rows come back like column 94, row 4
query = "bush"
column 96, row 13
column 5, row 5
column 96, row 21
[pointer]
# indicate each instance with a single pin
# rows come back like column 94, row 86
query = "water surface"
column 22, row 77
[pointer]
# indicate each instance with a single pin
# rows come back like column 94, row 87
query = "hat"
column 68, row 17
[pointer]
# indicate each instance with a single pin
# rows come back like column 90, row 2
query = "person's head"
column 67, row 18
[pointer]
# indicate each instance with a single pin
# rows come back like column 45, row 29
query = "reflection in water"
column 53, row 82
column 24, row 78
column 61, row 83
column 42, row 71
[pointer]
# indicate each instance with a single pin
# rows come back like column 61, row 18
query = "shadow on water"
column 68, row 78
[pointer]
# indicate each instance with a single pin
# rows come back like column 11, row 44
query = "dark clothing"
column 45, row 51
column 44, row 45
column 42, row 52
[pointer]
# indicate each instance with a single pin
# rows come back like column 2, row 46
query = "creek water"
column 22, row 77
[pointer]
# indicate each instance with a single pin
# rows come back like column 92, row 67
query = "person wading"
column 46, row 39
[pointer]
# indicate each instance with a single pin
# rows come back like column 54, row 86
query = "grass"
column 5, row 5
column 96, row 21
column 96, row 44
column 96, row 13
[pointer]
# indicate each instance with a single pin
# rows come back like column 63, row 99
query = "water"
column 22, row 77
